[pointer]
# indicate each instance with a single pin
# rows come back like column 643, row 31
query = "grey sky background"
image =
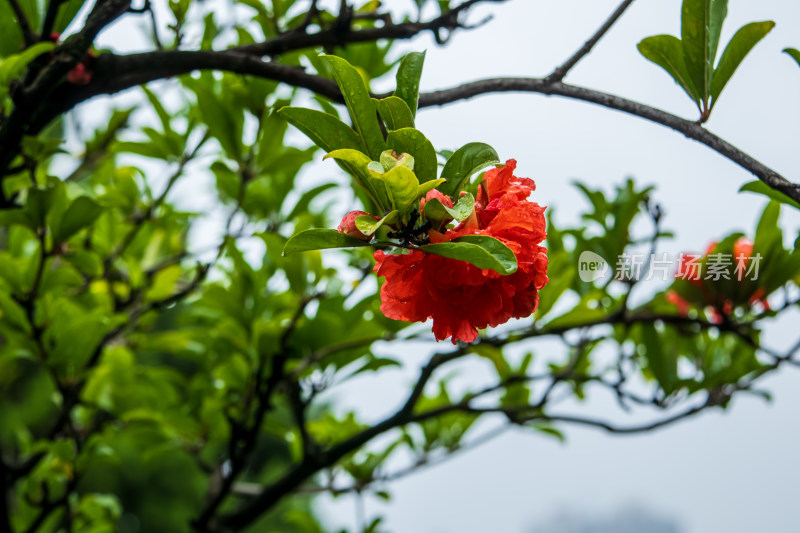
column 734, row 471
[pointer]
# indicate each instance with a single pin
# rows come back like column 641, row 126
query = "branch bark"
column 690, row 129
column 312, row 464
column 34, row 95
column 117, row 73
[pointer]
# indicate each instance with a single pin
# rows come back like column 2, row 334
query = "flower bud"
column 391, row 159
column 348, row 225
column 742, row 249
column 433, row 193
column 79, row 75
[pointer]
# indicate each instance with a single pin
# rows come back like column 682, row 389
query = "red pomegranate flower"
column 458, row 296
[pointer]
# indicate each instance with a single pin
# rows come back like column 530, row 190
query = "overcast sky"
column 734, row 471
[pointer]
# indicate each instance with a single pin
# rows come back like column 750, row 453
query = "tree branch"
column 522, row 415
column 34, row 95
column 6, row 484
column 688, row 128
column 424, row 462
column 312, row 464
column 122, row 72
column 116, row 73
column 50, row 17
column 341, row 34
column 244, row 438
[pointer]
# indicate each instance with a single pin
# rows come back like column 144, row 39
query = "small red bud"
column 79, row 75
column 433, row 193
column 348, row 225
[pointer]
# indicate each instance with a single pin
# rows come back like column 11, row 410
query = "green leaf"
column 666, row 52
column 661, row 361
column 39, row 203
column 439, row 214
column 463, row 208
column 14, row 66
column 158, row 107
column 739, row 46
column 359, row 104
column 368, row 225
column 359, row 163
column 331, row 134
column 11, row 40
column 411, row 141
column 359, row 159
column 436, row 212
column 80, row 214
column 480, row 250
column 701, row 24
column 324, row 130
column 424, row 188
column 320, row 239
column 550, row 431
column 464, row 163
column 768, row 234
column 558, row 285
column 402, row 185
column 163, row 283
column 224, row 123
column 395, row 113
column 408, row 76
column 794, row 53
column 759, row 187
column 66, row 13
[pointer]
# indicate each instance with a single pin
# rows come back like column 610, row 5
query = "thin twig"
column 562, row 70
column 50, row 17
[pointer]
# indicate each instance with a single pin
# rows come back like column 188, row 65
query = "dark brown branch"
column 243, row 437
column 425, row 462
column 522, row 415
column 338, row 35
column 50, row 17
column 122, row 72
column 561, row 71
column 110, row 77
column 688, row 128
column 6, row 484
column 325, row 458
column 115, row 73
column 46, row 511
column 32, row 96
